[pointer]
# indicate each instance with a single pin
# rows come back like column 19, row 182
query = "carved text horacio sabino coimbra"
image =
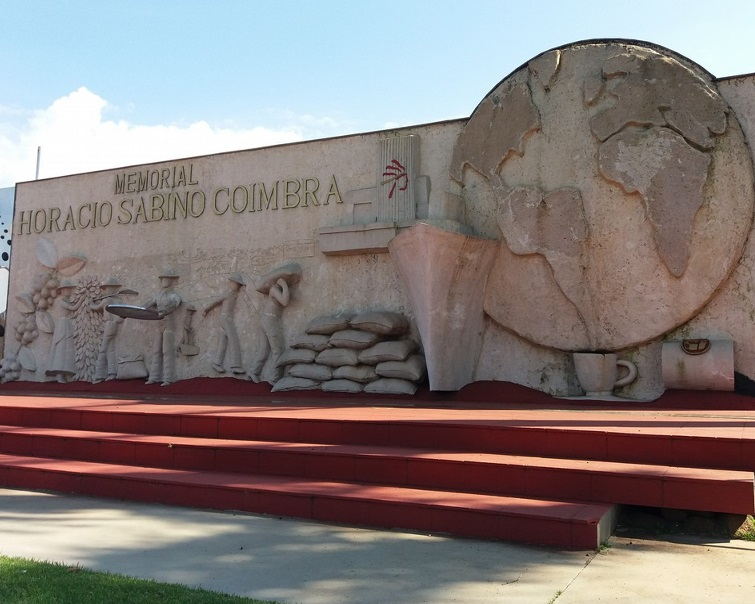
column 153, row 195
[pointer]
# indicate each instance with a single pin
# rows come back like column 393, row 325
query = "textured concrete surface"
column 687, row 569
column 292, row 561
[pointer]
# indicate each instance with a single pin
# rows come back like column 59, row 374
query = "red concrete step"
column 674, row 441
column 515, row 475
column 543, row 522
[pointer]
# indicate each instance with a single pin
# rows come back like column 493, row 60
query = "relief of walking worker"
column 270, row 341
column 228, row 347
column 165, row 302
column 106, row 367
column 61, row 362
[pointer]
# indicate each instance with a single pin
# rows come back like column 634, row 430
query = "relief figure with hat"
column 227, row 348
column 106, row 367
column 165, row 302
column 61, row 362
column 269, row 339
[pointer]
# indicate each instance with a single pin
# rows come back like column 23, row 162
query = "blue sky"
column 100, row 84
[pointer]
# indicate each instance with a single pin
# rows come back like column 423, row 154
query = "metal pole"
column 39, row 153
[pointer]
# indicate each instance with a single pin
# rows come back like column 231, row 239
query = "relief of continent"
column 648, row 162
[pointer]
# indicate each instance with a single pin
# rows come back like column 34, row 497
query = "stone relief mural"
column 399, row 197
column 595, row 202
column 600, row 176
column 354, row 352
column 188, row 346
column 106, row 367
column 646, row 138
column 227, row 346
column 610, row 170
column 351, row 352
column 164, row 303
column 270, row 343
column 62, row 361
column 35, row 305
column 84, row 317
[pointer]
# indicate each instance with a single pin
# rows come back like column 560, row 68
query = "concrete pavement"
column 305, row 562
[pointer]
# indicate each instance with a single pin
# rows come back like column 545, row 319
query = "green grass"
column 30, row 582
column 747, row 530
column 554, row 598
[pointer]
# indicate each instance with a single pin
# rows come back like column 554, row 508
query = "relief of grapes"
column 34, row 306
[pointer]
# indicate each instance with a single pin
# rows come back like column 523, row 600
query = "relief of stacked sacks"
column 369, row 352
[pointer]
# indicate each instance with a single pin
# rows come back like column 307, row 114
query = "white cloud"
column 74, row 137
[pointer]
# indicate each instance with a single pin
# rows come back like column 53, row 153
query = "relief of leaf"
column 47, row 253
column 25, row 304
column 70, row 265
column 45, row 322
column 27, row 359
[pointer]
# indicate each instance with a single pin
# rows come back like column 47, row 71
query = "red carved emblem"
column 396, row 173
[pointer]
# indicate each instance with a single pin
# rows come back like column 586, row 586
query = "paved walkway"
column 305, row 562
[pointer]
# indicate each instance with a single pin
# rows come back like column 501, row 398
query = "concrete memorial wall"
column 587, row 231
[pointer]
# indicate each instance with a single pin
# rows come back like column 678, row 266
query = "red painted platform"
column 493, row 461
